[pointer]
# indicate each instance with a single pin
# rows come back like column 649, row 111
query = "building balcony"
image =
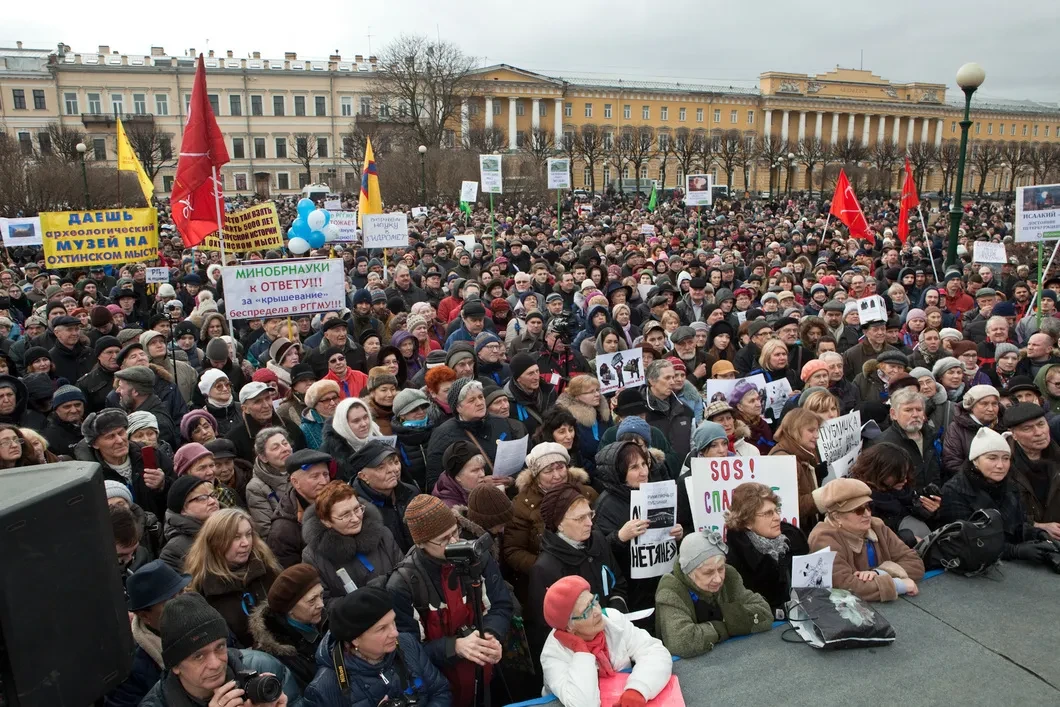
column 108, row 119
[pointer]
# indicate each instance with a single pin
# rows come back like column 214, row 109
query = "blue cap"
column 153, row 584
column 637, row 426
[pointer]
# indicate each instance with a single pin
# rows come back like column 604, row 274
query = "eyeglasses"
column 337, row 359
column 453, row 537
column 9, row 443
column 223, row 385
column 775, row 513
column 584, row 517
column 350, row 515
column 328, row 399
column 588, row 610
column 201, row 498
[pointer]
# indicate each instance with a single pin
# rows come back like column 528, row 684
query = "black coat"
column 151, row 500
column 96, row 384
column 760, row 572
column 392, row 508
column 968, row 491
column 486, row 432
column 413, row 443
column 676, row 424
column 285, row 533
column 62, row 436
column 927, row 465
column 71, row 363
column 180, row 532
column 229, row 597
column 242, row 436
column 227, row 417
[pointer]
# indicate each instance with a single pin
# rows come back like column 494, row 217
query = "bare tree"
column 485, row 141
column 850, row 152
column 568, row 147
column 827, row 157
column 355, row 140
column 64, row 141
column 1016, row 154
column 428, row 80
column 728, row 154
column 771, row 148
column 153, row 147
column 539, row 144
column 746, row 156
column 667, row 151
column 948, row 159
column 810, row 152
column 886, row 155
column 687, row 149
column 922, row 156
column 590, row 147
column 639, row 145
column 305, row 152
column 706, row 150
column 985, row 157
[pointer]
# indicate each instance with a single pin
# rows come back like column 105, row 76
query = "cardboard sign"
column 254, row 228
column 713, row 479
column 347, row 224
column 839, row 443
column 419, row 211
column 1037, row 213
column 984, row 252
column 872, row 309
column 21, row 231
column 559, row 173
column 385, row 230
column 698, row 191
column 333, row 204
column 647, row 229
column 490, row 174
column 721, row 389
column 620, row 370
column 469, row 192
column 157, row 275
column 79, row 239
column 282, row 288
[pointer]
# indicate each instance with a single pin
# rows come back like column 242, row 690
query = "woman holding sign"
column 797, row 436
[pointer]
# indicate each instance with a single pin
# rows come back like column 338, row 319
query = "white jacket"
column 571, row 676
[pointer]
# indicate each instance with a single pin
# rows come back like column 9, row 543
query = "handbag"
column 835, row 618
column 969, row 547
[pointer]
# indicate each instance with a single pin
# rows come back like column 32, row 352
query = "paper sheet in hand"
column 657, row 502
column 813, row 570
column 511, row 457
column 390, row 440
column 872, row 309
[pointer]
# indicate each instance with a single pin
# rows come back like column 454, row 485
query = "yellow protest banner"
column 102, row 237
column 254, row 228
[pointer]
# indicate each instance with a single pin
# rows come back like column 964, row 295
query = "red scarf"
column 597, row 646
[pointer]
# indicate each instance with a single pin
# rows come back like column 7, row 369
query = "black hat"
column 456, row 455
column 153, row 584
column 189, row 624
column 1022, row 412
column 302, row 371
column 368, row 334
column 1018, row 383
column 473, row 308
column 180, row 490
column 65, row 320
column 630, row 402
column 333, row 323
column 697, row 283
column 125, row 293
column 305, row 458
column 129, row 348
column 352, row 615
column 783, row 322
column 33, row 353
column 520, row 362
column 185, row 328
column 372, row 455
column 222, row 448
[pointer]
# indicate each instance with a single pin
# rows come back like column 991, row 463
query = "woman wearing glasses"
column 871, row 561
column 341, row 533
column 321, row 400
column 15, row 450
column 220, row 402
column 761, row 544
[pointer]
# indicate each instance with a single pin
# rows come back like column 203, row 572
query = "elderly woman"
column 980, row 407
column 586, row 645
column 272, row 446
column 747, row 402
column 464, row 469
column 413, row 426
column 737, row 432
column 703, row 601
column 216, row 390
column 408, row 346
column 341, row 533
column 547, row 467
column 346, row 433
column 591, row 411
column 283, row 356
column 815, row 374
column 570, row 546
column 773, row 364
column 797, row 436
column 198, row 426
column 761, row 544
column 871, row 561
column 321, row 399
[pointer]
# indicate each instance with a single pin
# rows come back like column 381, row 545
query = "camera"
column 469, row 556
column 405, row 699
column 563, row 326
column 931, row 490
column 258, row 688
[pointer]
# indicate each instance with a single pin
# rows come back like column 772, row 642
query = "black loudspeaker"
column 64, row 629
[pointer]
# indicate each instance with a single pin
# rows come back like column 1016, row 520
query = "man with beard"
column 136, row 393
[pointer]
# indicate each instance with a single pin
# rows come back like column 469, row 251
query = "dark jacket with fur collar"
column 273, row 635
column 592, row 423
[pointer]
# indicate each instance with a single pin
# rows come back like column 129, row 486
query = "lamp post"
column 791, row 170
column 423, row 174
column 82, row 148
column 969, row 78
column 780, row 175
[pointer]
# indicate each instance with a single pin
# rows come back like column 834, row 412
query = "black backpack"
column 970, row 547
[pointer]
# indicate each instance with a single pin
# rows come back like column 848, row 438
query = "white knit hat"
column 986, row 440
column 977, row 393
column 209, row 377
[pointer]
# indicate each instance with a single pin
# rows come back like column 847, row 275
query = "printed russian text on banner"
column 559, row 173
column 103, row 237
column 282, row 288
column 712, row 481
column 254, row 228
column 385, row 230
column 490, row 174
column 1037, row 213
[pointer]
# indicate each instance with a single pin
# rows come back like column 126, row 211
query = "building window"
column 259, row 148
column 609, row 140
column 664, row 113
column 520, row 108
column 237, row 148
column 645, row 112
column 1013, row 128
column 1046, row 131
column 70, row 101
column 607, row 175
column 25, row 141
column 139, row 103
column 699, row 115
column 301, row 147
column 161, row 104
column 384, row 110
column 299, row 106
column 366, row 105
column 117, row 103
column 1000, row 128
column 18, row 96
column 750, row 117
column 664, row 141
column 277, row 105
column 588, row 110
column 542, row 109
column 255, row 106
column 303, row 180
column 165, row 148
column 235, row 104
column 1035, row 131
column 626, row 173
column 95, row 103
column 717, row 115
column 99, row 148
column 1025, row 130
column 496, row 107
column 241, row 182
column 627, row 112
column 322, row 147
column 346, row 106
column 568, row 110
column 45, row 141
column 607, row 110
column 733, row 116
column 682, row 114
column 977, row 128
column 320, row 107
column 520, row 136
column 215, row 103
column 167, row 183
column 281, row 147
column 568, row 138
column 38, row 99
column 283, row 180
column 586, row 176
column 953, row 126
column 644, row 172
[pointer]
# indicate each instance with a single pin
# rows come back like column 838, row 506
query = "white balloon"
column 332, row 231
column 316, row 220
column 298, row 245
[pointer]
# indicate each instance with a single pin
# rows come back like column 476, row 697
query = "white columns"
column 489, row 112
column 817, row 125
column 924, row 131
column 769, row 124
column 512, row 100
column 850, row 127
column 784, row 127
column 865, row 131
column 802, row 125
column 897, row 129
column 912, row 130
column 465, row 122
column 938, row 133
column 535, row 117
column 835, row 128
column 557, row 120
column 880, row 132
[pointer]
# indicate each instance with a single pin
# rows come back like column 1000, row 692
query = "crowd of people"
column 301, row 495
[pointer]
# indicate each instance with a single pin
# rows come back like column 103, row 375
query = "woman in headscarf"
column 406, row 343
column 220, row 402
column 349, row 429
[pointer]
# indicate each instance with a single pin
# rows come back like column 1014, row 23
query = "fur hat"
column 315, row 392
column 556, row 502
column 545, row 454
column 102, row 422
column 977, row 393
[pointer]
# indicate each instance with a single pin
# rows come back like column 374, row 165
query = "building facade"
column 273, row 111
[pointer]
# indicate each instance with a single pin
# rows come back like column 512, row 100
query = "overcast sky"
column 709, row 42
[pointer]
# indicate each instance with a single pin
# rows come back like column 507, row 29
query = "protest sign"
column 157, row 275
column 984, row 252
column 1037, row 213
column 389, row 440
column 511, row 457
column 722, row 389
column 469, row 192
column 347, row 224
column 647, row 229
column 585, row 210
column 419, row 211
column 776, row 395
column 559, row 173
column 652, row 554
column 489, row 167
column 872, row 309
column 104, row 237
column 333, row 204
column 253, row 228
column 613, row 686
column 813, row 570
column 839, row 443
column 698, row 190
column 468, row 240
column 621, row 370
column 713, row 479
column 281, row 288
column 385, row 230
column 643, row 289
column 21, row 231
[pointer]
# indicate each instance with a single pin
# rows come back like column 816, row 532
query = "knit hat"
column 986, row 440
column 456, row 455
column 116, row 489
column 492, row 392
column 351, row 615
column 813, row 366
column 920, row 372
column 488, row 506
column 188, row 624
column 379, row 376
column 427, row 517
column 634, row 425
column 141, row 420
column 103, row 343
column 414, row 321
column 455, row 356
column 544, row 454
column 841, row 495
column 560, row 600
column 33, row 353
column 179, row 491
column 677, row 363
column 697, row 548
column 290, row 586
column 188, row 454
column 265, row 375
column 102, row 422
column 209, row 377
column 915, row 313
column 362, row 296
column 318, row 390
column 977, row 393
column 741, row 389
column 100, row 317
column 484, row 339
column 459, row 391
column 944, row 364
column 706, row 433
column 191, row 421
column 67, row 394
column 1005, row 348
column 141, row 378
column 556, row 502
column 520, row 362
column 962, row 347
column 217, row 350
column 949, row 333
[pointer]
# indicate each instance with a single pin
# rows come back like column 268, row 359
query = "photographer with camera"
column 200, row 668
column 559, row 360
column 452, row 593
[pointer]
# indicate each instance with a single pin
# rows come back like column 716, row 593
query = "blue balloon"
column 291, row 233
column 316, row 239
column 327, row 219
column 305, row 207
column 300, row 227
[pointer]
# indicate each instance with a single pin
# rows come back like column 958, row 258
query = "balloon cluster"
column 312, row 228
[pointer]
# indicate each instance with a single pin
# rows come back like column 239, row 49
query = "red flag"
column 845, row 207
column 910, row 200
column 202, row 149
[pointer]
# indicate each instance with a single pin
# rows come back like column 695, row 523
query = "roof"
column 1005, row 105
column 652, row 84
column 28, row 53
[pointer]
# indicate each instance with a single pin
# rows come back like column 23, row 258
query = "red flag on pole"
column 845, row 207
column 910, row 200
column 196, row 199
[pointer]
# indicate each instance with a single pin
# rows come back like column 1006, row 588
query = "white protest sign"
column 813, row 570
column 985, row 252
column 644, row 289
column 419, row 211
column 385, row 230
column 698, row 190
column 1037, row 213
column 620, row 370
column 280, row 288
column 721, row 389
column 839, row 443
column 389, row 440
column 741, row 316
column 647, row 229
column 511, row 457
column 347, row 224
column 489, row 167
column 713, row 479
column 468, row 240
column 776, row 395
column 647, row 556
column 157, row 275
column 332, row 204
column 559, row 173
column 872, row 309
column 658, row 504
column 21, row 231
column 469, row 192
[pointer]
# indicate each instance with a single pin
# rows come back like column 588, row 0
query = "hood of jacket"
column 594, row 547
column 21, row 395
column 1039, row 380
column 584, row 414
column 607, row 468
column 178, row 524
column 412, row 436
column 265, row 638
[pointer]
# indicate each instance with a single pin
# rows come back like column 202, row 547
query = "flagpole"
column 1048, row 266
column 1041, row 279
column 931, row 255
column 220, row 228
column 559, row 212
column 827, row 220
column 493, row 226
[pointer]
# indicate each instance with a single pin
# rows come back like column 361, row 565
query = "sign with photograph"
column 559, row 173
column 872, row 309
column 469, row 192
column 1037, row 213
column 620, row 370
column 698, row 190
column 489, row 167
column 21, row 231
column 652, row 553
column 721, row 389
column 713, row 479
column 385, row 230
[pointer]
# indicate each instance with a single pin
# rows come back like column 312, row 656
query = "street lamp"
column 791, row 170
column 969, row 78
column 423, row 174
column 82, row 148
column 780, row 174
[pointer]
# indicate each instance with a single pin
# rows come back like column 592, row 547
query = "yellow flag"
column 370, row 200
column 127, row 162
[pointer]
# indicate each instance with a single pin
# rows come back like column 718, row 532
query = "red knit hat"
column 678, row 364
column 560, row 600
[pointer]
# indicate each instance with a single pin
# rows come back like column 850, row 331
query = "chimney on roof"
column 335, row 57
column 61, row 49
column 191, row 52
column 211, row 54
column 158, row 51
column 19, row 44
column 104, row 49
column 255, row 55
column 228, row 54
column 359, row 58
column 290, row 56
column 372, row 60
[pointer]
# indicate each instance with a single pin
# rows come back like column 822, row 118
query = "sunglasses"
column 862, row 510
